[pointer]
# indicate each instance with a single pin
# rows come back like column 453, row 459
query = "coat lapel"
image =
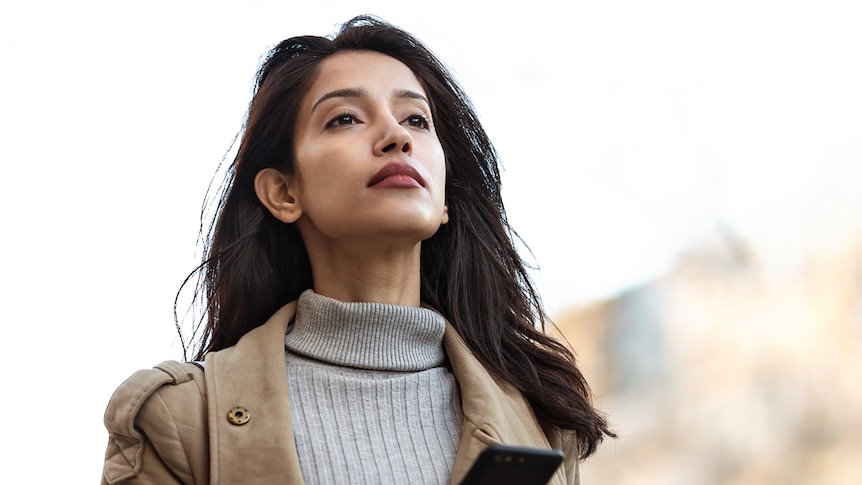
column 251, row 375
column 494, row 412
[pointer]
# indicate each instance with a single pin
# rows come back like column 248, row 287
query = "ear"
column 278, row 193
column 445, row 218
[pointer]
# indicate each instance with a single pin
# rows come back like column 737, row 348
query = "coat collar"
column 494, row 411
column 252, row 375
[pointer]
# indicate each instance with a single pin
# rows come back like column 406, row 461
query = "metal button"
column 238, row 415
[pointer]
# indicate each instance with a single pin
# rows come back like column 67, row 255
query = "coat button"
column 238, row 415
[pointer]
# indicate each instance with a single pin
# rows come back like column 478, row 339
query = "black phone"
column 513, row 465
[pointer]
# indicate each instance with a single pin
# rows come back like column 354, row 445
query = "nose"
column 395, row 138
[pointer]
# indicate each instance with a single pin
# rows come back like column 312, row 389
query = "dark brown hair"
column 470, row 269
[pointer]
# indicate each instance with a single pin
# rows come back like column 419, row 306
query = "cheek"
column 440, row 169
column 314, row 164
column 436, row 159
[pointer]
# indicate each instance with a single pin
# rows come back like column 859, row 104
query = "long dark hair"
column 470, row 269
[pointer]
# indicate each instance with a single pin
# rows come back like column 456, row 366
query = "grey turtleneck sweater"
column 371, row 399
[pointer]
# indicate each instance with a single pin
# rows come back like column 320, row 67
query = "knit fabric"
column 372, row 401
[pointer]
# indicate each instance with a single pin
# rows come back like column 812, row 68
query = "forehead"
column 369, row 70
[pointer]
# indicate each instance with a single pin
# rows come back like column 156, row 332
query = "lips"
column 397, row 174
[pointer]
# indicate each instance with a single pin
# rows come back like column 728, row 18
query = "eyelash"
column 425, row 123
column 336, row 121
column 341, row 119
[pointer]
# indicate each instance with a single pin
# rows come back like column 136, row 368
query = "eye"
column 343, row 119
column 418, row 120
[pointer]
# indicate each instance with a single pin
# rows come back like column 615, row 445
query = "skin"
column 365, row 110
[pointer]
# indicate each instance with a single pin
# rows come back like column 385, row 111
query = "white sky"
column 629, row 132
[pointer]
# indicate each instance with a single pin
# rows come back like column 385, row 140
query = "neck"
column 371, row 272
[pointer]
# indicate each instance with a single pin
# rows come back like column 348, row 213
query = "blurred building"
column 733, row 368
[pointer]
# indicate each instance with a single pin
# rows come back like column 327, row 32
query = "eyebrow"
column 359, row 93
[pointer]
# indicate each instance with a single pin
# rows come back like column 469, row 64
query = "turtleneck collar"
column 367, row 335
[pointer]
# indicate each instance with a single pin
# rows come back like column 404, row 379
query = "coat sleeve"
column 157, row 428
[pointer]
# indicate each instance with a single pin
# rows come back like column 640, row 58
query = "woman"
column 361, row 241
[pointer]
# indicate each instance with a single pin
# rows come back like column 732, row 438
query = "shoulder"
column 156, row 423
column 567, row 442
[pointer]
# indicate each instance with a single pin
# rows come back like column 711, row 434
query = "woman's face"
column 368, row 159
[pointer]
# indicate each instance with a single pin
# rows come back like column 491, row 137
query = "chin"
column 413, row 232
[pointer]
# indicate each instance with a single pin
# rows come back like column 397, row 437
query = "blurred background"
column 687, row 177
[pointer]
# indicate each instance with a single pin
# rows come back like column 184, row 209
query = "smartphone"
column 513, row 465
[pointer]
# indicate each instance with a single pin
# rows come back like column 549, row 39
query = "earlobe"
column 445, row 218
column 276, row 191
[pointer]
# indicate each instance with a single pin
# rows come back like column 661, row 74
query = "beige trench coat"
column 170, row 424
